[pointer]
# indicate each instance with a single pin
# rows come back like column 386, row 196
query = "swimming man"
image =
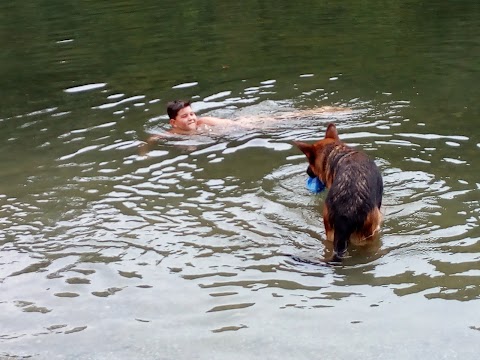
column 184, row 121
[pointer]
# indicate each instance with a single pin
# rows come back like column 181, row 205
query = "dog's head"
column 315, row 154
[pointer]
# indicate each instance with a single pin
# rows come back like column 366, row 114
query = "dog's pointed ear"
column 307, row 149
column 331, row 132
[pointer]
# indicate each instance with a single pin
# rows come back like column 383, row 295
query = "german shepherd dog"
column 352, row 207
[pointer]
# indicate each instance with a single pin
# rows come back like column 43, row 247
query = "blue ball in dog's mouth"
column 315, row 185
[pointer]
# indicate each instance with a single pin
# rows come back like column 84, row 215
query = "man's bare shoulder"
column 214, row 121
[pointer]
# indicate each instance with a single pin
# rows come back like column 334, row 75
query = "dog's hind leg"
column 372, row 223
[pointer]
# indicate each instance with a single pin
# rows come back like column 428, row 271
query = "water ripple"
column 229, row 214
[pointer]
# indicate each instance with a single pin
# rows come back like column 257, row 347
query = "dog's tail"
column 343, row 228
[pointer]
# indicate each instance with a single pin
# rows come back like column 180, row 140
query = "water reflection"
column 100, row 220
column 196, row 200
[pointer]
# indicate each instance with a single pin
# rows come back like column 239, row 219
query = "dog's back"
column 355, row 196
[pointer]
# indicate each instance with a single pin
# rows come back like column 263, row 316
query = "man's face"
column 185, row 120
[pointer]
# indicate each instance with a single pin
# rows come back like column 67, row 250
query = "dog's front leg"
column 329, row 231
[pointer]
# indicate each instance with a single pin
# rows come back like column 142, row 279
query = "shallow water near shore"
column 111, row 250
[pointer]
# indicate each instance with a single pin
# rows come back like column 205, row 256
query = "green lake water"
column 111, row 250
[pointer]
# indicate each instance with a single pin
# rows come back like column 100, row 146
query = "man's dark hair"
column 173, row 107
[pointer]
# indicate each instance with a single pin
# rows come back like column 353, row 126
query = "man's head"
column 181, row 115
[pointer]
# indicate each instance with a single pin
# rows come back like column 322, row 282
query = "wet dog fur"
column 351, row 212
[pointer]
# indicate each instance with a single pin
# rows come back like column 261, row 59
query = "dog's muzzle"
column 310, row 172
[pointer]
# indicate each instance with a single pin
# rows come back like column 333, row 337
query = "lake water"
column 108, row 251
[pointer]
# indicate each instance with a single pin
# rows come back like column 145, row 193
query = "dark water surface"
column 177, row 253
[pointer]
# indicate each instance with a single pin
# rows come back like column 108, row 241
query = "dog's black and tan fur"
column 352, row 207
